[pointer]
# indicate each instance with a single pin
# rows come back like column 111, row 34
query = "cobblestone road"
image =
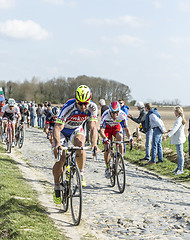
column 150, row 208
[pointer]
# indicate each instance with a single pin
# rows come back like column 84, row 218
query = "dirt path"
column 151, row 207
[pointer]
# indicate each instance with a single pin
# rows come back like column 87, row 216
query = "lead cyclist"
column 69, row 123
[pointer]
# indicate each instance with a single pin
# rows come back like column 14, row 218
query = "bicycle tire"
column 21, row 138
column 9, row 140
column 16, row 137
column 112, row 171
column 120, row 172
column 1, row 132
column 75, row 194
column 64, row 191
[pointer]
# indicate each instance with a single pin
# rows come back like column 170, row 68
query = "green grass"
column 167, row 144
column 21, row 215
column 164, row 168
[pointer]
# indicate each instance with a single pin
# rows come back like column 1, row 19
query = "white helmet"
column 11, row 102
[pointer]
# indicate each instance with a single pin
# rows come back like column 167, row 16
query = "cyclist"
column 9, row 112
column 110, row 126
column 72, row 116
column 25, row 115
column 50, row 122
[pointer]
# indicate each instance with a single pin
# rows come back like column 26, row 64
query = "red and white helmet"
column 114, row 106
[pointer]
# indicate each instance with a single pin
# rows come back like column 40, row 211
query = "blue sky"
column 142, row 43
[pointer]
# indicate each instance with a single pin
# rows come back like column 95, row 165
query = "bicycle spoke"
column 112, row 171
column 64, row 186
column 76, row 195
column 120, row 168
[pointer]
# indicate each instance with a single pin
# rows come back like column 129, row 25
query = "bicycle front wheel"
column 76, row 194
column 21, row 138
column 9, row 140
column 120, row 172
column 112, row 171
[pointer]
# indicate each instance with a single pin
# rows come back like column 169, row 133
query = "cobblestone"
column 150, row 208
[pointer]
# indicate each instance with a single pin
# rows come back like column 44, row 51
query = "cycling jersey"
column 24, row 115
column 50, row 120
column 15, row 110
column 107, row 119
column 10, row 114
column 73, row 118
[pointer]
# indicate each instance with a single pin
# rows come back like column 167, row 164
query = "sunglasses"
column 116, row 112
column 82, row 103
column 11, row 106
column 120, row 103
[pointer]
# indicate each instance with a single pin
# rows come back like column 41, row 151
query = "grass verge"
column 21, row 215
column 164, row 168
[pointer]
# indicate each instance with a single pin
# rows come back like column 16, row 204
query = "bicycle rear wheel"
column 120, row 172
column 21, row 137
column 64, row 190
column 112, row 171
column 76, row 194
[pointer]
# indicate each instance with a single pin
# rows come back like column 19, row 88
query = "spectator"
column 33, row 114
column 44, row 112
column 141, row 117
column 39, row 115
column 124, row 107
column 178, row 138
column 103, row 106
column 153, row 119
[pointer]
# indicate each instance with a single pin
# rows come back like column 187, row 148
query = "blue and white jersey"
column 108, row 120
column 72, row 117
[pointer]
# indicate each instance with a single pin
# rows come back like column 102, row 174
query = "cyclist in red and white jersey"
column 110, row 126
column 9, row 112
column 69, row 123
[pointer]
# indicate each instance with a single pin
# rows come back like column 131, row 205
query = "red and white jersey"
column 16, row 109
column 108, row 120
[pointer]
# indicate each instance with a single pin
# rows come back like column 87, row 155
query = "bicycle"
column 19, row 137
column 9, row 136
column 70, row 184
column 1, row 130
column 117, row 166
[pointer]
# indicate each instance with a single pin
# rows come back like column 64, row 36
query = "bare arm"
column 102, row 134
column 93, row 133
column 127, row 132
column 56, row 133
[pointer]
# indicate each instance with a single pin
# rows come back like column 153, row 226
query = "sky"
column 144, row 44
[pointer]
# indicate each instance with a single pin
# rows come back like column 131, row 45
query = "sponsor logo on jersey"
column 78, row 118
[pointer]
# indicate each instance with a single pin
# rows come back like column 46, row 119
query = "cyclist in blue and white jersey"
column 72, row 116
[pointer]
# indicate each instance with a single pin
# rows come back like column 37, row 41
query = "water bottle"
column 67, row 172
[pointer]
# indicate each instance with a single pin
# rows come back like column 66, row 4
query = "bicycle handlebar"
column 75, row 148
